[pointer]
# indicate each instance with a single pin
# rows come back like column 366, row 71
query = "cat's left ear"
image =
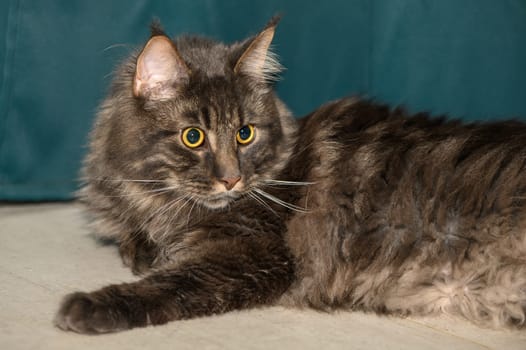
column 258, row 61
column 160, row 69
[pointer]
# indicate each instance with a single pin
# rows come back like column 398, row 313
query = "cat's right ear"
column 160, row 70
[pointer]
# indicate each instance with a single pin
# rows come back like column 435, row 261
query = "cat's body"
column 355, row 206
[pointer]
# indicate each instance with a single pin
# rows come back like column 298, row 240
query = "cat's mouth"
column 220, row 200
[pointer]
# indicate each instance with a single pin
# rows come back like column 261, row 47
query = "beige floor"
column 46, row 251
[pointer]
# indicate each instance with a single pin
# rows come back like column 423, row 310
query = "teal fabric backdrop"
column 465, row 58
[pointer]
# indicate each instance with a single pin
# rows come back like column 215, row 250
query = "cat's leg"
column 229, row 274
column 496, row 298
column 487, row 293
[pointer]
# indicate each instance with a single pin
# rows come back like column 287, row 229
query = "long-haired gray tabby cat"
column 224, row 201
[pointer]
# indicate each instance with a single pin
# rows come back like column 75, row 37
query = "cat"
column 223, row 201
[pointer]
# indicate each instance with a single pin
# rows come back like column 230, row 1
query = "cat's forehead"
column 217, row 103
column 208, row 57
column 214, row 115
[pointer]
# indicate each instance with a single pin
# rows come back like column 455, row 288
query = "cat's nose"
column 230, row 182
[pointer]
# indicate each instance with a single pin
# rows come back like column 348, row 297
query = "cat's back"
column 354, row 145
column 390, row 190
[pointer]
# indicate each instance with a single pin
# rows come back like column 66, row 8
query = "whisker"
column 186, row 199
column 288, row 183
column 123, row 180
column 116, row 45
column 281, row 202
column 198, row 208
column 190, row 211
column 163, row 209
column 261, row 202
column 158, row 192
column 173, row 217
column 132, row 205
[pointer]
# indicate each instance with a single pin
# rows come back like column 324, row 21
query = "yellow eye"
column 245, row 135
column 193, row 137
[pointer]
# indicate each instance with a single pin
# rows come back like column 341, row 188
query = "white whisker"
column 123, row 180
column 159, row 212
column 186, row 198
column 190, row 211
column 116, row 45
column 281, row 202
column 157, row 191
column 288, row 183
column 261, row 202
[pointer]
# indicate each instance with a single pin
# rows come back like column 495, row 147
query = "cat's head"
column 197, row 116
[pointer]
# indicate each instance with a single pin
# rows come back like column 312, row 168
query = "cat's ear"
column 160, row 70
column 258, row 61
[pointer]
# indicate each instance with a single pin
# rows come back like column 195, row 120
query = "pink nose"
column 230, row 182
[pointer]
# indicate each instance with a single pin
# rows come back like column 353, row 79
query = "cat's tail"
column 231, row 277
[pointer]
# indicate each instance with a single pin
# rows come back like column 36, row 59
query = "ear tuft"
column 156, row 28
column 258, row 61
column 160, row 70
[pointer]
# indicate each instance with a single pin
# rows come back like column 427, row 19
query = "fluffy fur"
column 355, row 206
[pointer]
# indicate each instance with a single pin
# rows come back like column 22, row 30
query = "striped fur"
column 356, row 206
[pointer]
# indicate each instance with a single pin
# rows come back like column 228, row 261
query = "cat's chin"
column 217, row 205
column 219, row 202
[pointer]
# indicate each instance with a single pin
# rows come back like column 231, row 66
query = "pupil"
column 193, row 136
column 244, row 133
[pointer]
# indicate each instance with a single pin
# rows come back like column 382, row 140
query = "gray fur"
column 356, row 206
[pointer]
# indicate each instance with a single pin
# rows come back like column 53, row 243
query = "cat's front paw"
column 139, row 255
column 83, row 313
